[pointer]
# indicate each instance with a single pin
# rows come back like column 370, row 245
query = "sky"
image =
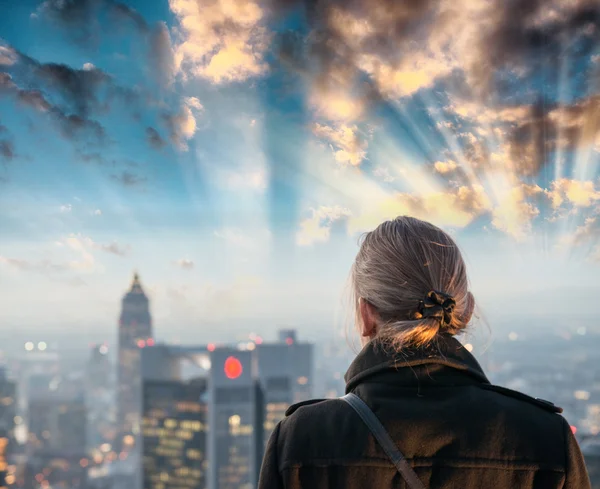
column 233, row 152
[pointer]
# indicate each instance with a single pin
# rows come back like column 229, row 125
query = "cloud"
column 97, row 212
column 384, row 174
column 80, row 21
column 154, row 138
column 78, row 88
column 43, row 266
column 182, row 126
column 66, row 208
column 457, row 207
column 128, row 179
column 589, row 231
column 7, row 150
column 222, row 41
column 348, row 146
column 162, row 55
column 8, row 56
column 317, row 227
column 445, row 167
column 114, row 248
column 514, row 212
column 575, row 192
column 185, row 264
column 85, row 245
column 70, row 84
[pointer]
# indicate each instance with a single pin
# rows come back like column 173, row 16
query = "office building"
column 174, row 430
column 135, row 332
column 236, row 414
column 285, row 373
column 57, row 422
column 7, row 424
column 591, row 452
column 49, row 469
column 99, row 397
column 249, row 388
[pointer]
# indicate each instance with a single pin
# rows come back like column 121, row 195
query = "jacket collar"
column 445, row 351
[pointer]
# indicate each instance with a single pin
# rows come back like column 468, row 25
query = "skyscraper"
column 99, row 397
column 135, row 332
column 7, row 423
column 174, row 427
column 285, row 373
column 236, row 420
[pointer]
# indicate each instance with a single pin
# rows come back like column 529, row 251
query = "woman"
column 449, row 427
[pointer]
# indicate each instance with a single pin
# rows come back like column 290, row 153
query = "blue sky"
column 232, row 151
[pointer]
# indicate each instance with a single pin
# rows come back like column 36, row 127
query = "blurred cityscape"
column 144, row 414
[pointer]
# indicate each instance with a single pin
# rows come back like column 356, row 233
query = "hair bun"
column 436, row 305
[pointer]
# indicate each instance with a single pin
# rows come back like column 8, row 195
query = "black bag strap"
column 384, row 439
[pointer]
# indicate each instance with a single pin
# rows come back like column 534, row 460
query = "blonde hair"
column 397, row 265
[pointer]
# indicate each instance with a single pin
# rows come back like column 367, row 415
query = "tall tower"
column 135, row 332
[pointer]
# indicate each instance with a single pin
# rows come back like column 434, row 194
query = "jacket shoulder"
column 294, row 407
column 542, row 403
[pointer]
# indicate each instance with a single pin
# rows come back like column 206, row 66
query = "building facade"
column 236, row 419
column 8, row 404
column 174, row 430
column 99, row 396
column 285, row 371
column 135, row 332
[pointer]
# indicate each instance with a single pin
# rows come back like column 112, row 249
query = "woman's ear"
column 469, row 308
column 369, row 318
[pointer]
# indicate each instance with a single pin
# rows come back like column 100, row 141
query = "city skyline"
column 234, row 160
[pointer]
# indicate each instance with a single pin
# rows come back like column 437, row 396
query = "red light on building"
column 289, row 341
column 150, row 342
column 574, row 429
column 233, row 368
column 211, row 347
column 141, row 343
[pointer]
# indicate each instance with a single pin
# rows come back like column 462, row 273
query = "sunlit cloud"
column 575, row 192
column 220, row 40
column 514, row 212
column 455, row 208
column 317, row 227
column 348, row 146
column 444, row 167
column 8, row 56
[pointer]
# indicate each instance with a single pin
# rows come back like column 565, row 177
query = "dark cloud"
column 154, row 138
column 7, row 150
column 114, row 248
column 78, row 88
column 34, row 99
column 161, row 53
column 128, row 179
column 80, row 19
column 519, row 40
column 551, row 126
column 71, row 126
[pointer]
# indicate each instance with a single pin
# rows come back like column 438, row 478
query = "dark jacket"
column 456, row 429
